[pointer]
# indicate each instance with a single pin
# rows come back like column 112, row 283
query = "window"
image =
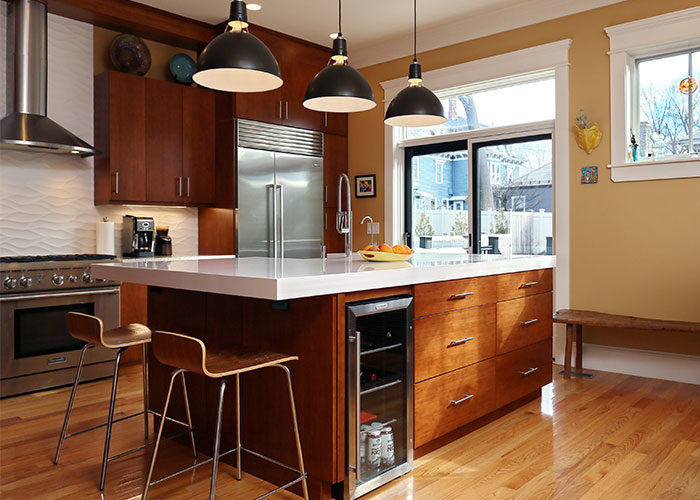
column 517, row 203
column 668, row 109
column 439, row 171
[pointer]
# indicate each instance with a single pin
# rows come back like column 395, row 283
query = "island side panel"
column 308, row 329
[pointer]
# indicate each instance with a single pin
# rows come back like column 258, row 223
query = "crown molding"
column 473, row 27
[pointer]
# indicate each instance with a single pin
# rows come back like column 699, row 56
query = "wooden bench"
column 573, row 318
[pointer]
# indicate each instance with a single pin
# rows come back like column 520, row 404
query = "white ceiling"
column 379, row 30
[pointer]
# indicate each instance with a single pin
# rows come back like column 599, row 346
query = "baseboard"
column 650, row 364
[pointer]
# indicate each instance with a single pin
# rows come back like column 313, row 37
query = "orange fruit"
column 399, row 249
column 385, row 248
column 371, row 248
column 407, row 250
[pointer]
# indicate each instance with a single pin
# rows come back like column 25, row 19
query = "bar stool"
column 91, row 330
column 187, row 353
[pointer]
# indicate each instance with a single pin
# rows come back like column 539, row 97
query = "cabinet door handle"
column 460, row 341
column 286, row 110
column 460, row 401
column 457, row 296
column 325, row 117
column 529, row 284
column 188, row 187
column 280, row 110
column 325, row 194
column 116, row 182
column 529, row 371
column 179, row 186
column 529, row 322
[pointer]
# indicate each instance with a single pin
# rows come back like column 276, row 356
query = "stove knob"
column 57, row 280
column 72, row 278
column 25, row 282
column 87, row 278
column 10, row 283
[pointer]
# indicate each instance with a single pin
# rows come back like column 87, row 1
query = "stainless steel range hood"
column 27, row 127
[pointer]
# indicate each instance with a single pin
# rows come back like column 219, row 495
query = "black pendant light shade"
column 237, row 61
column 339, row 88
column 415, row 106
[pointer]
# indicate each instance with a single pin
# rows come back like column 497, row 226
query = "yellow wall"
column 160, row 54
column 635, row 246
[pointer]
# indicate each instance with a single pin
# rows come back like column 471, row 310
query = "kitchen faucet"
column 343, row 219
column 371, row 228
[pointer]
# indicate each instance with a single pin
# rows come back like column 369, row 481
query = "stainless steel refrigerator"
column 280, row 191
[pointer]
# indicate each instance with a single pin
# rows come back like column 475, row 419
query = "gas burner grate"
column 55, row 258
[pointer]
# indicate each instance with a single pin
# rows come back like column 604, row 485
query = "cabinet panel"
column 521, row 372
column 300, row 63
column 163, row 141
column 432, row 298
column 120, row 137
column 445, row 342
column 523, row 321
column 514, row 285
column 335, row 123
column 335, row 162
column 449, row 401
column 198, row 145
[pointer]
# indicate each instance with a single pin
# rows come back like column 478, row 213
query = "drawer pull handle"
column 460, row 341
column 460, row 401
column 529, row 284
column 458, row 296
column 529, row 322
column 529, row 371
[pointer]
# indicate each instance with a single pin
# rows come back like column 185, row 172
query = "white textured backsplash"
column 46, row 200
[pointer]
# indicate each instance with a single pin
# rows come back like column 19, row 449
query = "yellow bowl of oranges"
column 386, row 253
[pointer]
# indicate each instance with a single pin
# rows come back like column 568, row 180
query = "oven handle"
column 100, row 291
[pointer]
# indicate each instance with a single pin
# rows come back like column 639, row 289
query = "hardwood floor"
column 611, row 437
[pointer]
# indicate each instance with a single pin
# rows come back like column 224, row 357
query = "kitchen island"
column 297, row 306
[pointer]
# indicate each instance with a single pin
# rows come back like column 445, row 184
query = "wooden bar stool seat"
column 189, row 354
column 90, row 330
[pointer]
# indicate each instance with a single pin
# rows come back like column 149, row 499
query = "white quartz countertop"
column 280, row 279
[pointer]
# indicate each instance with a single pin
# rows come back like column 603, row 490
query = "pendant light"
column 236, row 61
column 339, row 88
column 415, row 106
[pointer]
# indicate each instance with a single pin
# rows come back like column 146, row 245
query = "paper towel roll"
column 104, row 233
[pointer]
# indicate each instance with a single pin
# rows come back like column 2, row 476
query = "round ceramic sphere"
column 130, row 55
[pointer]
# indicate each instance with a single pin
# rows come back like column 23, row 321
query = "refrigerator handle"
column 281, row 209
column 274, row 218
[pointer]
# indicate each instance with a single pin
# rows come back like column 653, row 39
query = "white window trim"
column 629, row 41
column 553, row 55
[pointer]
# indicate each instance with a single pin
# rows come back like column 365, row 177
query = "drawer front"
column 523, row 371
column 445, row 342
column 514, row 285
column 522, row 322
column 449, row 401
column 433, row 298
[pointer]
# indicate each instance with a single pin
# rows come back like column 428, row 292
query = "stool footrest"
column 102, row 425
column 283, row 487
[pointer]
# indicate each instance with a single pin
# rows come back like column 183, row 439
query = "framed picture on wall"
column 365, row 186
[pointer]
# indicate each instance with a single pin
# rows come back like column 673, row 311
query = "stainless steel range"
column 36, row 292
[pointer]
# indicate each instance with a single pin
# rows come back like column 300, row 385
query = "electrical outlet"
column 375, row 227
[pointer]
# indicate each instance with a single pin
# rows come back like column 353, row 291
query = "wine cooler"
column 379, row 421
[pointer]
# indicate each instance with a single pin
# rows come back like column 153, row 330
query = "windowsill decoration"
column 588, row 135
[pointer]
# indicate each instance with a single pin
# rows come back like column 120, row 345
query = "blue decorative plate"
column 182, row 67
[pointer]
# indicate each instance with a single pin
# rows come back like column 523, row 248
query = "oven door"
column 33, row 333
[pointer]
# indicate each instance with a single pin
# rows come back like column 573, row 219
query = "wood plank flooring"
column 610, row 437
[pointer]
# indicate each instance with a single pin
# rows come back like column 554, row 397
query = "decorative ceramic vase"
column 129, row 54
column 588, row 138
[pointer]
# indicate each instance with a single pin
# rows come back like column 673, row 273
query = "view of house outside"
column 514, row 181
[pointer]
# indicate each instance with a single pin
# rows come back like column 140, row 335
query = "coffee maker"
column 164, row 243
column 137, row 236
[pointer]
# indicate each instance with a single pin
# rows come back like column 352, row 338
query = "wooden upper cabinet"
column 198, row 145
column 120, row 137
column 163, row 142
column 335, row 162
column 335, row 123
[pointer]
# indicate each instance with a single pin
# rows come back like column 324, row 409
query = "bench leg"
column 567, row 352
column 579, row 348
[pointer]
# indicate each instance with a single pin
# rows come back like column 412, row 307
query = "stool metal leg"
column 296, row 432
column 217, row 438
column 189, row 416
column 160, row 432
column 108, row 434
column 146, row 404
column 238, row 425
column 71, row 400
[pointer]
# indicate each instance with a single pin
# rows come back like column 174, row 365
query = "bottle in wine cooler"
column 387, row 436
column 374, row 448
column 364, row 429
